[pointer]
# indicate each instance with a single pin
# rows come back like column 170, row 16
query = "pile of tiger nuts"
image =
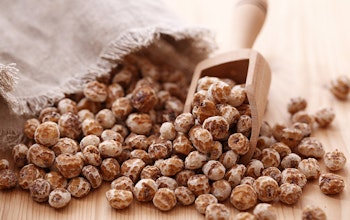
column 129, row 129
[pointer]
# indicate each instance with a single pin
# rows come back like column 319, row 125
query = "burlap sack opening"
column 58, row 46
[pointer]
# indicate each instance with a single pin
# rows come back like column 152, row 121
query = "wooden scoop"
column 242, row 65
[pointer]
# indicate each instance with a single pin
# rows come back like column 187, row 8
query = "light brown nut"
column 296, row 104
column 40, row 190
column 92, row 155
column 166, row 182
column 167, row 131
column 56, row 180
column 65, row 145
column 254, row 168
column 139, row 123
column 198, row 184
column 244, row 125
column 150, row 172
column 228, row 159
column 184, row 196
column 293, row 175
column 292, row 160
column 182, row 145
column 19, row 154
column 114, row 91
column 217, row 211
column 243, row 197
column 59, row 198
column 230, row 113
column 334, row 160
column 214, row 170
column 277, row 131
column 266, row 188
column 138, row 141
column 204, row 110
column 291, row 137
column 183, row 176
column 270, row 158
column 237, row 96
column 69, row 165
column 235, row 174
column 49, row 114
column 201, row 139
column 244, row 216
column 110, row 169
column 183, row 122
column 202, row 201
column 110, row 148
column 265, row 211
column 119, row 199
column 4, row 164
column 340, row 87
column 160, row 149
column 290, row 193
column 303, row 117
column 87, row 104
column 66, row 105
column 105, row 118
column 221, row 189
column 79, row 187
column 303, row 127
column 47, row 133
column 311, row 147
column 93, row 175
column 121, row 129
column 28, row 174
column 124, row 183
column 109, row 134
column 95, row 91
column 216, row 151
column 141, row 154
column 145, row 189
column 91, row 126
column 217, row 126
column 247, row 180
column 132, row 168
column 40, row 155
column 89, row 140
column 195, row 160
column 70, row 125
column 121, row 108
column 281, row 148
column 144, row 98
column 313, row 212
column 170, row 166
column 9, row 180
column 265, row 142
column 175, row 106
column 265, row 129
column 239, row 143
column 205, row 82
column 274, row 173
column 219, row 92
column 164, row 199
column 310, row 167
column 324, row 117
column 331, row 183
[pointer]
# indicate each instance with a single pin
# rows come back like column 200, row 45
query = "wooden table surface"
column 307, row 45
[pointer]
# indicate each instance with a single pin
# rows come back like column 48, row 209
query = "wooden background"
column 307, row 44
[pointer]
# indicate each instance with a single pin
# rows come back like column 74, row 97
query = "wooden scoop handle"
column 248, row 18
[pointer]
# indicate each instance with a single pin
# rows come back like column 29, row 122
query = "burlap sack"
column 51, row 48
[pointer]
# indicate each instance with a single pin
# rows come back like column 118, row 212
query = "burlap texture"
column 57, row 46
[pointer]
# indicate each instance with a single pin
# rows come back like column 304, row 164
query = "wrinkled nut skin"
column 124, row 183
column 166, row 182
column 40, row 190
column 121, row 108
column 254, row 168
column 244, row 125
column 183, row 176
column 202, row 140
column 150, row 172
column 203, row 201
column 221, row 189
column 281, row 148
column 19, row 155
column 132, row 168
column 66, row 105
column 313, row 212
column 114, row 91
column 144, row 98
column 91, row 126
column 167, row 131
column 265, row 211
column 30, row 126
column 217, row 126
column 89, row 140
column 311, row 147
column 184, row 196
column 28, row 174
column 40, row 155
column 95, row 91
column 293, row 175
column 205, row 110
column 214, row 170
column 69, row 125
column 110, row 169
column 296, row 104
column 324, row 117
column 8, row 179
column 334, row 160
column 340, row 87
column 290, row 193
column 291, row 137
column 217, row 211
column 267, row 188
column 119, row 199
column 243, row 197
column 69, row 165
column 93, row 175
column 4, row 164
column 198, row 184
column 238, row 143
column 195, row 160
column 292, row 160
column 79, row 187
column 105, row 118
column 270, row 158
column 110, row 148
column 47, row 133
column 244, row 216
column 92, row 155
column 310, row 167
column 164, row 199
column 59, row 198
column 228, row 159
column 171, row 166
column 274, row 173
column 184, row 122
column 182, row 145
column 219, row 92
column 247, row 180
column 56, row 180
column 160, row 150
column 331, row 183
column 145, row 189
column 139, row 123
column 65, row 145
column 235, row 174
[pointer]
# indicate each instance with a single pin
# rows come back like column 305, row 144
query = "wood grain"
column 306, row 44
